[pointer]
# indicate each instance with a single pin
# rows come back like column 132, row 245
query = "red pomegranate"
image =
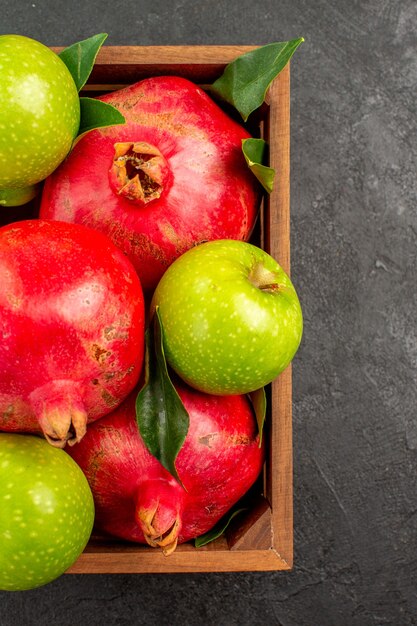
column 72, row 323
column 138, row 500
column 173, row 176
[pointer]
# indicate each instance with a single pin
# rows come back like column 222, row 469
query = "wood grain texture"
column 254, row 530
column 112, row 559
column 261, row 540
column 127, row 64
column 279, row 481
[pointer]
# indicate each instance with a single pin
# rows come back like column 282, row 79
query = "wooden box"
column 261, row 538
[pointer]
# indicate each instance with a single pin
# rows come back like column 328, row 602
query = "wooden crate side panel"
column 277, row 225
column 254, row 531
column 147, row 561
column 127, row 64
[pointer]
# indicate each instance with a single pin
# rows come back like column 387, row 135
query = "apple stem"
column 263, row 278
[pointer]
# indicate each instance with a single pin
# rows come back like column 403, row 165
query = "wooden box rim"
column 263, row 540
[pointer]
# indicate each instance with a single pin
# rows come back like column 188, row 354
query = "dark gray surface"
column 354, row 230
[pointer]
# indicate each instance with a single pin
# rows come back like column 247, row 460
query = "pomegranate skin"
column 72, row 324
column 198, row 187
column 138, row 500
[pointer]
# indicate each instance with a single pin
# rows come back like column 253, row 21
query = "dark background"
column 354, row 230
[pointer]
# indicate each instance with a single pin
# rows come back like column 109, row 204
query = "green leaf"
column 96, row 114
column 245, row 80
column 217, row 530
column 160, row 414
column 258, row 399
column 254, row 151
column 80, row 58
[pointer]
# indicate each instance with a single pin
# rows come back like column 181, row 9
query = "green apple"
column 46, row 512
column 17, row 197
column 230, row 315
column 39, row 115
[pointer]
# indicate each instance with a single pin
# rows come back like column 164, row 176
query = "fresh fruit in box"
column 39, row 115
column 46, row 512
column 173, row 176
column 72, row 316
column 138, row 500
column 231, row 317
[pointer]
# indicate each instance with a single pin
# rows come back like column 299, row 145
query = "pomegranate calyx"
column 145, row 519
column 60, row 412
column 166, row 540
column 138, row 171
column 63, row 426
column 158, row 512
